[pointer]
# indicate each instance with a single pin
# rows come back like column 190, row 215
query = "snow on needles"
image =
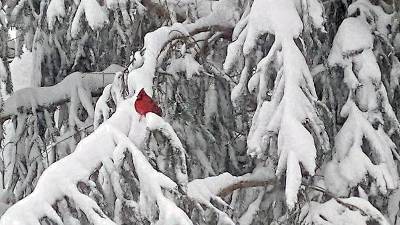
column 336, row 211
column 291, row 103
column 206, row 190
column 96, row 16
column 61, row 178
column 222, row 15
column 94, row 13
column 349, row 40
column 3, row 72
column 55, row 11
column 366, row 111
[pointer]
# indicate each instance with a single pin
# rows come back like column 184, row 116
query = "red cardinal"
column 145, row 104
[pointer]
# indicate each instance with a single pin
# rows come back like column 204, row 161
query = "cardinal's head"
column 141, row 94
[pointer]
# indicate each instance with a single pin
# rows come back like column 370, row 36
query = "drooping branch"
column 125, row 129
column 210, row 190
column 279, row 121
column 31, row 99
column 223, row 16
column 204, row 190
column 367, row 110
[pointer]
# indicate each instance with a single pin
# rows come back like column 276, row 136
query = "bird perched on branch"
column 145, row 104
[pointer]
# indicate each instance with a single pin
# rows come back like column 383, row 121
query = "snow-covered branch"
column 224, row 14
column 124, row 130
column 289, row 115
column 77, row 88
column 212, row 189
column 351, row 210
column 367, row 109
column 225, row 184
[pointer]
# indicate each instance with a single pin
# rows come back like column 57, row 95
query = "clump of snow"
column 278, row 18
column 223, row 14
column 102, row 111
column 55, row 11
column 21, row 69
column 3, row 72
column 352, row 36
column 315, row 11
column 185, row 64
column 373, row 14
column 274, row 17
column 338, row 211
column 154, row 42
column 94, row 13
column 366, row 106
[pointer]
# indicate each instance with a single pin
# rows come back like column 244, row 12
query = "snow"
column 112, row 4
column 94, row 13
column 207, row 189
column 102, row 111
column 394, row 76
column 352, row 36
column 17, row 9
column 124, row 11
column 55, row 11
column 235, row 51
column 3, row 72
column 239, row 88
column 260, row 77
column 211, row 103
column 38, row 55
column 366, row 207
column 3, row 19
column 154, row 42
column 374, row 14
column 286, row 124
column 337, row 212
column 203, row 190
column 352, row 50
column 154, row 122
column 348, row 149
column 21, row 69
column 316, row 11
column 293, row 95
column 274, row 17
column 60, row 178
column 185, row 64
column 247, row 217
column 279, row 18
column 151, row 182
column 393, row 205
column 286, row 111
column 75, row 86
column 296, row 146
